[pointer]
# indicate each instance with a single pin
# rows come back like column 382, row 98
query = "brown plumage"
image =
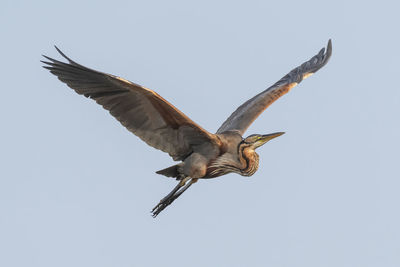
column 161, row 125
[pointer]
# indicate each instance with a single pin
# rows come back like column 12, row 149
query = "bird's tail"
column 172, row 171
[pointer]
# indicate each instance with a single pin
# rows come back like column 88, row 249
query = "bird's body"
column 202, row 154
column 216, row 159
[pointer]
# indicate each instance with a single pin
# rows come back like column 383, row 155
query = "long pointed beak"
column 267, row 137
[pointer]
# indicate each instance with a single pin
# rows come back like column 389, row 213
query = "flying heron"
column 153, row 119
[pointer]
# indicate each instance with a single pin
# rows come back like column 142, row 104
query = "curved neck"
column 244, row 161
column 248, row 158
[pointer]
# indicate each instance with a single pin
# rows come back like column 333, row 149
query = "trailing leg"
column 184, row 184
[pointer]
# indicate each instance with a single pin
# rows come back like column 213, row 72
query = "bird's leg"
column 174, row 194
column 164, row 202
column 176, row 188
column 177, row 194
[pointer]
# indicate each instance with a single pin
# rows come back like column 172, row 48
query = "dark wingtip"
column 67, row 58
column 59, row 51
column 324, row 56
column 48, row 65
column 49, row 58
column 328, row 50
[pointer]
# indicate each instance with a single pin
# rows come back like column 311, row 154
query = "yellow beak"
column 267, row 137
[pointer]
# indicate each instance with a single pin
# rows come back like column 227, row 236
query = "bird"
column 201, row 154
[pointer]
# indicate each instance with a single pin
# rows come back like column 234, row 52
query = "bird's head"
column 257, row 140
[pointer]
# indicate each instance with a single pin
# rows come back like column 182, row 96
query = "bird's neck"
column 249, row 160
column 243, row 161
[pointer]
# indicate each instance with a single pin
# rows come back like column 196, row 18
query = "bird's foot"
column 160, row 207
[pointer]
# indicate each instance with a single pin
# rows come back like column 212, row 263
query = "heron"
column 201, row 154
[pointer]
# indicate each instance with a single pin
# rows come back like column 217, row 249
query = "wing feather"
column 244, row 115
column 141, row 110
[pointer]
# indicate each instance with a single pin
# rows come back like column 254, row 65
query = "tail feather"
column 170, row 171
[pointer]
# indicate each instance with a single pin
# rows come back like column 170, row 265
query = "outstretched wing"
column 141, row 110
column 241, row 119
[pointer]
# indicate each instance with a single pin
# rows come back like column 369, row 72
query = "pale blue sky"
column 76, row 188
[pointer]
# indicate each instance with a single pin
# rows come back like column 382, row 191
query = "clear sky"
column 76, row 188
